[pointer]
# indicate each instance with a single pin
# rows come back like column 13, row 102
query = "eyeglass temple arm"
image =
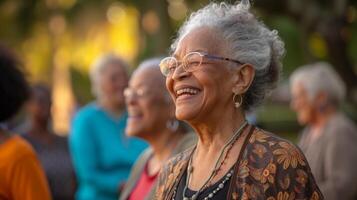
column 222, row 58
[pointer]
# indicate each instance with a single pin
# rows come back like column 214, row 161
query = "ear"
column 321, row 99
column 242, row 78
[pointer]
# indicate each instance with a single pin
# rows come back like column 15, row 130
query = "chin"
column 303, row 120
column 132, row 131
column 184, row 113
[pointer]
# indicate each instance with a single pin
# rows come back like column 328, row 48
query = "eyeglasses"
column 139, row 93
column 190, row 62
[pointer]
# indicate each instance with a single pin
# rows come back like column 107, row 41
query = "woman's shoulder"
column 177, row 160
column 267, row 145
column 17, row 149
column 88, row 111
column 276, row 167
column 170, row 171
column 18, row 146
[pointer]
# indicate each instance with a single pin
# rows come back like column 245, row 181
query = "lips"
column 134, row 114
column 186, row 91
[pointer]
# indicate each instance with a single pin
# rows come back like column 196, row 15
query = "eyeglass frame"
column 202, row 56
column 137, row 93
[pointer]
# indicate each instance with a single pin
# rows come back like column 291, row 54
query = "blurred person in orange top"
column 330, row 138
column 21, row 175
column 52, row 150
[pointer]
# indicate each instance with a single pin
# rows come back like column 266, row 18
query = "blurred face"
column 206, row 91
column 302, row 105
column 39, row 106
column 113, row 81
column 145, row 100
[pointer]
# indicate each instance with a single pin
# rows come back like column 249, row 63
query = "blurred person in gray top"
column 52, row 150
column 329, row 140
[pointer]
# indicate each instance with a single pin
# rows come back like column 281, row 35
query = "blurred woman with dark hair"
column 51, row 149
column 21, row 174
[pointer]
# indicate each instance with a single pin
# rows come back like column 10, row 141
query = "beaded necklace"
column 216, row 168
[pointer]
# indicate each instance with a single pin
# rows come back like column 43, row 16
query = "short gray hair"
column 155, row 63
column 320, row 77
column 250, row 42
column 100, row 65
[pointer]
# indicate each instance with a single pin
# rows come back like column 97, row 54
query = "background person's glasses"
column 137, row 93
column 190, row 62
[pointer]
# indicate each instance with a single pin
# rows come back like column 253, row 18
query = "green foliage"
column 81, row 86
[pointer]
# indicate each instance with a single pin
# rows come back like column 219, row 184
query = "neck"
column 112, row 108
column 41, row 125
column 163, row 144
column 216, row 134
column 41, row 131
column 322, row 118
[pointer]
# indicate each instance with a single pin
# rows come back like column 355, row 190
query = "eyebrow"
column 196, row 50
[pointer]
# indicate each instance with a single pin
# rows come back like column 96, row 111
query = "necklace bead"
column 219, row 163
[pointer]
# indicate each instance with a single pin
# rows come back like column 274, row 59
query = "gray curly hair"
column 320, row 77
column 99, row 65
column 250, row 41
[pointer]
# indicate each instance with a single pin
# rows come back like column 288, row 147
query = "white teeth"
column 188, row 91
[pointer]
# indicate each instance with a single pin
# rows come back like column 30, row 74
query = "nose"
column 180, row 73
column 129, row 97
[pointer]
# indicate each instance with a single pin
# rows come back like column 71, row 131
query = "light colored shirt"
column 102, row 154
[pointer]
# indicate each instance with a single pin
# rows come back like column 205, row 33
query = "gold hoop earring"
column 238, row 103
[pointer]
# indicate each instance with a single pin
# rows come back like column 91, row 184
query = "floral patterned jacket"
column 269, row 168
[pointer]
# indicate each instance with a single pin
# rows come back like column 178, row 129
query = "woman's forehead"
column 203, row 39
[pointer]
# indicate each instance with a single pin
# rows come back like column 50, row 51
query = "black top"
column 221, row 194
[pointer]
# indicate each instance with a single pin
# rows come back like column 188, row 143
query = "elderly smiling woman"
column 224, row 62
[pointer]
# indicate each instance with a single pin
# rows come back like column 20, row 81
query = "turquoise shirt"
column 101, row 152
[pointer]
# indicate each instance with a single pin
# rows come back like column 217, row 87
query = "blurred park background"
column 57, row 41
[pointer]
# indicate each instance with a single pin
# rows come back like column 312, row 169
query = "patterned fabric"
column 270, row 168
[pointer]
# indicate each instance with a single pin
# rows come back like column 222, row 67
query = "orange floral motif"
column 234, row 195
column 268, row 173
column 285, row 182
column 260, row 150
column 250, row 192
column 258, row 136
column 315, row 196
column 301, row 177
column 289, row 155
column 243, row 170
column 283, row 196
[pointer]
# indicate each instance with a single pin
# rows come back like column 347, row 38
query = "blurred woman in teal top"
column 102, row 154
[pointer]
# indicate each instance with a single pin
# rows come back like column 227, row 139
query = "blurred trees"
column 64, row 36
column 332, row 23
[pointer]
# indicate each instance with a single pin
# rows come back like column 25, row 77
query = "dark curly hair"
column 14, row 89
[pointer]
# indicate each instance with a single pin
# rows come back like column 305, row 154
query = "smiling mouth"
column 134, row 114
column 187, row 92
